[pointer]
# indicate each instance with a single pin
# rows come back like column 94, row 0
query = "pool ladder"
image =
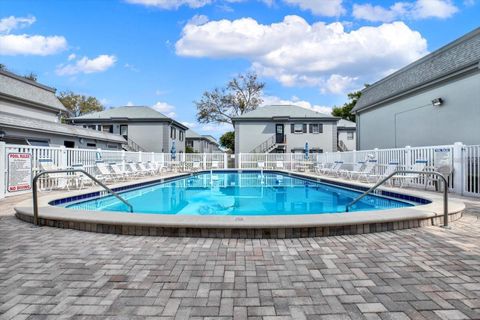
column 35, row 191
column 434, row 173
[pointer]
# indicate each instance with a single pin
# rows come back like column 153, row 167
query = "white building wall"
column 414, row 121
column 248, row 135
column 350, row 144
column 27, row 111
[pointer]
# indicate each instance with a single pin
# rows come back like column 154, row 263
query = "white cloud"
column 130, row 104
column 274, row 100
column 328, row 8
column 86, row 65
column 71, row 57
column 165, row 108
column 420, row 9
column 297, row 53
column 216, row 128
column 171, row 4
column 24, row 44
column 198, row 20
column 191, row 125
column 12, row 44
column 10, row 23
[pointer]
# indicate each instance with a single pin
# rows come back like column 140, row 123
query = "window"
column 180, row 135
column 107, row 128
column 298, row 128
column 69, row 144
column 112, row 146
column 173, row 133
column 350, row 135
column 124, row 130
column 38, row 143
column 316, row 128
column 91, row 145
column 189, row 143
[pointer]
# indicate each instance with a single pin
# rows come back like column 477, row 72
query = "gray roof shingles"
column 18, row 87
column 458, row 55
column 25, row 123
column 130, row 112
column 290, row 111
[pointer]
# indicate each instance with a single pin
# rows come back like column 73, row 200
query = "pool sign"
column 443, row 161
column 19, row 172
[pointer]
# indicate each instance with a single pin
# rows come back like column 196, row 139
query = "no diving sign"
column 19, row 172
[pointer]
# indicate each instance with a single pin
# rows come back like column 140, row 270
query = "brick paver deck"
column 424, row 273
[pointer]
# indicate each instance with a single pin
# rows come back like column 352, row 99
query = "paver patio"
column 424, row 273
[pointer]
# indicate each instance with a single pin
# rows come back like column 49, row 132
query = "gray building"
column 201, row 143
column 346, row 135
column 30, row 115
column 284, row 128
column 144, row 128
column 433, row 101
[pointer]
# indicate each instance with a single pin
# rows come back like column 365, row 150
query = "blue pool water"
column 234, row 193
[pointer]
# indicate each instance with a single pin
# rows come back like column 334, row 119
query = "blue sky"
column 165, row 53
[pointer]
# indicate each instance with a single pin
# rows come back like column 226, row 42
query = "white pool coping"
column 418, row 212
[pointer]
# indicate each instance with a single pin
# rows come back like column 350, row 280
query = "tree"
column 227, row 140
column 188, row 149
column 79, row 104
column 3, row 67
column 242, row 94
column 345, row 111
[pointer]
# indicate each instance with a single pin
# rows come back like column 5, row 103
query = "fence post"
column 225, row 161
column 458, row 167
column 408, row 157
column 354, row 156
column 204, row 160
column 139, row 156
column 3, row 169
column 239, row 161
column 123, row 160
column 63, row 160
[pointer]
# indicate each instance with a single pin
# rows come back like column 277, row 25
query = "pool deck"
column 423, row 273
column 288, row 226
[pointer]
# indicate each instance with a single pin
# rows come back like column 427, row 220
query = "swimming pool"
column 249, row 193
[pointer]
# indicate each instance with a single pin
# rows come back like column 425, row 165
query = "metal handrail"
column 438, row 174
column 35, row 192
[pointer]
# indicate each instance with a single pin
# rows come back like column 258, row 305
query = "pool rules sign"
column 19, row 172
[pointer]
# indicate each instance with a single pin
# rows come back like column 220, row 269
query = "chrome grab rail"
column 35, row 192
column 438, row 174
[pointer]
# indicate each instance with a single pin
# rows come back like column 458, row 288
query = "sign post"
column 19, row 172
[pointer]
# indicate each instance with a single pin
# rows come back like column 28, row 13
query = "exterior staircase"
column 341, row 146
column 269, row 145
column 132, row 146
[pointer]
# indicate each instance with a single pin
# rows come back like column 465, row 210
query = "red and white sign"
column 19, row 172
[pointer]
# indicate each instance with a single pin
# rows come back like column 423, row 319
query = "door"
column 280, row 133
column 124, row 130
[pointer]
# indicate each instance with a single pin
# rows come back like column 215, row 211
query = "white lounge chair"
column 419, row 165
column 391, row 167
column 261, row 165
column 54, row 180
column 321, row 166
column 104, row 172
column 145, row 170
column 215, row 165
column 334, row 169
column 133, row 170
column 279, row 165
column 368, row 169
column 119, row 172
column 356, row 168
column 196, row 166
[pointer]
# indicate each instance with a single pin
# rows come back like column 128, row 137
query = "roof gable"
column 17, row 87
column 455, row 56
column 282, row 111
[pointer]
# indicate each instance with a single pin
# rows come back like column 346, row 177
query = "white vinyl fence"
column 464, row 160
column 66, row 158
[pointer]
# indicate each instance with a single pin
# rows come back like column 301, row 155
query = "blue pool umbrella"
column 306, row 150
column 173, row 151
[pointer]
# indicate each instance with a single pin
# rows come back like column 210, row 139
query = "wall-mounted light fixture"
column 2, row 134
column 437, row 102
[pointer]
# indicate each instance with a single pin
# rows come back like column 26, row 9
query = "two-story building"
column 432, row 101
column 30, row 114
column 285, row 128
column 201, row 143
column 346, row 135
column 144, row 128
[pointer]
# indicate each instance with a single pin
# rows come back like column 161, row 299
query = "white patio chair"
column 117, row 170
column 215, row 165
column 261, row 165
column 368, row 169
column 54, row 180
column 104, row 172
column 355, row 168
column 406, row 179
column 196, row 166
column 144, row 169
column 334, row 169
column 133, row 170
column 391, row 167
column 279, row 165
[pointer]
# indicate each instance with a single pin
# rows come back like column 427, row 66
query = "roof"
column 211, row 139
column 25, row 123
column 17, row 87
column 132, row 113
column 455, row 56
column 282, row 111
column 346, row 124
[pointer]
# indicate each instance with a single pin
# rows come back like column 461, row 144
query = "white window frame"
column 296, row 126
